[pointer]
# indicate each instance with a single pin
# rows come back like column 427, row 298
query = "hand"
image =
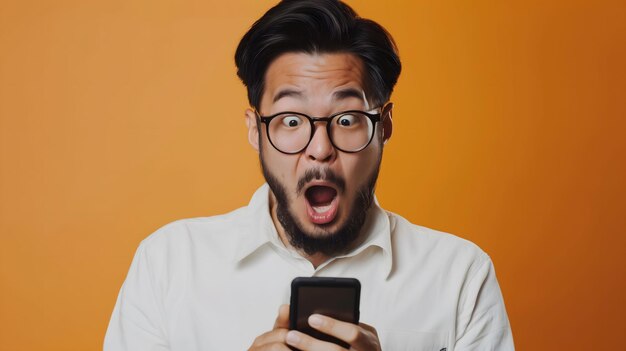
column 360, row 337
column 274, row 339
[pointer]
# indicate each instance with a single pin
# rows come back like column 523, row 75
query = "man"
column 319, row 80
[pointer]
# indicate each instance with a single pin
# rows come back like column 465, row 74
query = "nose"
column 320, row 148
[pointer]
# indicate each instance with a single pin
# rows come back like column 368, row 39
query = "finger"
column 369, row 328
column 271, row 337
column 305, row 342
column 282, row 321
column 345, row 331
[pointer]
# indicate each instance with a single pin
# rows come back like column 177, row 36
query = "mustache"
column 325, row 174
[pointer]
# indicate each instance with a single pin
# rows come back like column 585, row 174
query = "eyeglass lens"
column 292, row 132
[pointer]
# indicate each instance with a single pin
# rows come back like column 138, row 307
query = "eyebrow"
column 348, row 93
column 287, row 92
column 338, row 95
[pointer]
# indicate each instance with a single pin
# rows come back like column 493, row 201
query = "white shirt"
column 216, row 284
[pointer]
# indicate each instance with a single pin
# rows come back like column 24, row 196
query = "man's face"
column 321, row 194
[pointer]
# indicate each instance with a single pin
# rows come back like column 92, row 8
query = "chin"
column 322, row 230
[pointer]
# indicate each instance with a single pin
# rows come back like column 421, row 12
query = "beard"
column 324, row 241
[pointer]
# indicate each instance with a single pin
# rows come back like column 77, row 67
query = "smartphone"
column 337, row 298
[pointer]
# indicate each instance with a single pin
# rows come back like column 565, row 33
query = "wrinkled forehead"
column 319, row 78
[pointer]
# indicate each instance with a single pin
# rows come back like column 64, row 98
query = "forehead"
column 307, row 76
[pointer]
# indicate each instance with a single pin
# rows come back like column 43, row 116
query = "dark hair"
column 318, row 26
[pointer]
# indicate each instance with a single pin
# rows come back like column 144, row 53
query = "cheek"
column 281, row 166
column 360, row 168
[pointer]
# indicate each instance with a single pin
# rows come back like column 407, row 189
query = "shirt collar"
column 258, row 230
column 376, row 233
column 257, row 226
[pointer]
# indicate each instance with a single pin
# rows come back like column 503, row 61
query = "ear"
column 253, row 131
column 387, row 121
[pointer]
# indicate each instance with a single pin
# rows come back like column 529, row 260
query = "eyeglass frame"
column 374, row 118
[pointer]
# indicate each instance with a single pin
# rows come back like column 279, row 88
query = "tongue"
column 320, row 195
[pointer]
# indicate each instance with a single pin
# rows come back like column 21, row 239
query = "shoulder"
column 425, row 246
column 182, row 237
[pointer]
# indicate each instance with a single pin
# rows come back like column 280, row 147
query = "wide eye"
column 292, row 121
column 346, row 120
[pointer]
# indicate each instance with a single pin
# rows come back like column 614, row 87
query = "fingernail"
column 292, row 338
column 315, row 321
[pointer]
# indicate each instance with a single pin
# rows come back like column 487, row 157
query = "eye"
column 292, row 121
column 346, row 120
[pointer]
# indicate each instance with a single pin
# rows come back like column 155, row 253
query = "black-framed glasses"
column 349, row 131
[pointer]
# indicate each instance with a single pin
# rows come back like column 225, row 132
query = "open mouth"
column 322, row 203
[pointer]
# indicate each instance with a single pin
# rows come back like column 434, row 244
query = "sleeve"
column 137, row 319
column 482, row 322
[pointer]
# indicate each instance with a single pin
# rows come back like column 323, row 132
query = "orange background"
column 120, row 116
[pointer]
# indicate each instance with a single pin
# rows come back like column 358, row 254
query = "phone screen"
column 333, row 297
column 338, row 303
